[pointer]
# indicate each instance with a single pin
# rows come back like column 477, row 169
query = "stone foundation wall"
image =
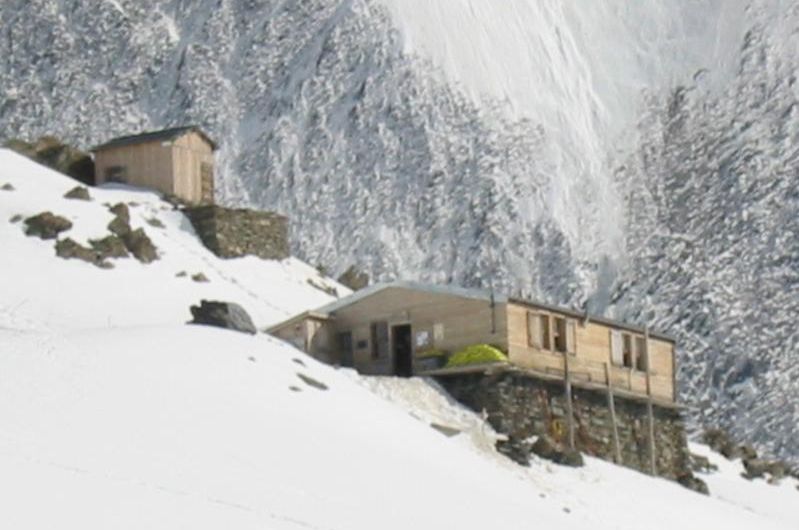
column 232, row 233
column 521, row 406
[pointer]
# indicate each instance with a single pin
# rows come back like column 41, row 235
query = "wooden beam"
column 612, row 407
column 649, row 412
column 569, row 410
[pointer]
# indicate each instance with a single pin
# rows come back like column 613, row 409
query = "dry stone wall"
column 522, row 406
column 233, row 233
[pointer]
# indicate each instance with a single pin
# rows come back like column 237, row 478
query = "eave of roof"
column 155, row 136
column 315, row 315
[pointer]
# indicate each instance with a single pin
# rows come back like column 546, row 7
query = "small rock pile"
column 754, row 465
column 519, row 451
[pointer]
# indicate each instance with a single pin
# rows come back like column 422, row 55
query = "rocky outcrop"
column 110, row 246
column 233, row 233
column 140, row 245
column 78, row 192
column 53, row 153
column 120, row 224
column 524, row 407
column 46, row 225
column 222, row 315
column 70, row 249
column 7, row 187
column 354, row 278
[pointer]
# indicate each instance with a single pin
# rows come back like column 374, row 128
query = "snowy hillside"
column 637, row 157
column 115, row 413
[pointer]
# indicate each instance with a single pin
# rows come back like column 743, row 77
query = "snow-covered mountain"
column 638, row 157
column 115, row 413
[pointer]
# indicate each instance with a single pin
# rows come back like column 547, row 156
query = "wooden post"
column 649, row 411
column 612, row 407
column 569, row 411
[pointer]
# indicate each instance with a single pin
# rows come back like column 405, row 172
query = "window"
column 641, row 354
column 538, row 330
column 616, row 353
column 116, row 174
column 627, row 349
column 559, row 335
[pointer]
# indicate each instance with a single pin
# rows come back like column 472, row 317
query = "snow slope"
column 117, row 414
column 638, row 158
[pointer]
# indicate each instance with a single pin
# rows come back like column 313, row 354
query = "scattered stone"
column 139, row 244
column 154, row 221
column 181, row 274
column 120, row 224
column 547, row 448
column 515, row 449
column 223, row 315
column 332, row 291
column 720, row 441
column 701, row 464
column 53, row 153
column 298, row 361
column 310, row 381
column 46, row 225
column 15, row 218
column 200, row 278
column 567, row 509
column 354, row 278
column 78, row 192
column 759, row 468
column 110, row 247
column 295, row 388
column 693, row 483
column 251, row 359
column 70, row 249
column 7, row 187
column 447, row 431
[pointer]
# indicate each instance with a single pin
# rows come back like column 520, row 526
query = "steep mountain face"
column 637, row 159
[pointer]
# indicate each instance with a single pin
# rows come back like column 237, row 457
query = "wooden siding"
column 592, row 351
column 169, row 167
column 449, row 322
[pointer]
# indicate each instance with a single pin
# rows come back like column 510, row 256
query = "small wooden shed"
column 178, row 161
column 391, row 328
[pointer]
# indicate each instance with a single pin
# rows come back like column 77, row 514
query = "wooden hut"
column 177, row 162
column 393, row 328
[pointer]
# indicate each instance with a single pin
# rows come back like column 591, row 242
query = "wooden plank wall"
column 189, row 151
column 148, row 165
column 592, row 345
column 460, row 321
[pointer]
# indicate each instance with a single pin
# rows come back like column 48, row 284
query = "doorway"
column 344, row 342
column 402, row 349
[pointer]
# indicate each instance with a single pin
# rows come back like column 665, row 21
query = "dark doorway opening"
column 402, row 348
column 344, row 341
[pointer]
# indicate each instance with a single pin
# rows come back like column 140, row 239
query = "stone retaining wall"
column 232, row 233
column 520, row 406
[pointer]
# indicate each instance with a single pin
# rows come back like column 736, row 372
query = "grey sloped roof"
column 477, row 294
column 154, row 136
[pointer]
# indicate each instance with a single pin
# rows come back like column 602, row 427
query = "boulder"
column 693, row 483
column 78, row 192
column 200, row 278
column 354, row 278
column 70, row 249
column 547, row 448
column 139, row 244
column 222, row 315
column 110, row 247
column 46, row 225
column 701, row 464
column 7, row 187
column 120, row 224
column 759, row 468
column 516, row 449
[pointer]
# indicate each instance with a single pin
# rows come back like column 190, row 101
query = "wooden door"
column 206, row 183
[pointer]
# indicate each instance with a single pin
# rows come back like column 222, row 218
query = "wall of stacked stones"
column 233, row 233
column 522, row 406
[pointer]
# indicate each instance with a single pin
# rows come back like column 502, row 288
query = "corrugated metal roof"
column 479, row 294
column 154, row 136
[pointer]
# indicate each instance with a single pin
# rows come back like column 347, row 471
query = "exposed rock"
column 759, row 468
column 120, row 224
column 515, row 449
column 701, row 464
column 110, row 247
column 547, row 448
column 310, row 381
column 7, row 187
column 693, row 483
column 181, row 274
column 233, row 233
column 140, row 245
column 78, row 192
column 747, row 452
column 46, row 225
column 53, row 153
column 720, row 441
column 15, row 218
column 354, row 279
column 70, row 249
column 200, row 278
column 154, row 221
column 332, row 291
column 223, row 315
